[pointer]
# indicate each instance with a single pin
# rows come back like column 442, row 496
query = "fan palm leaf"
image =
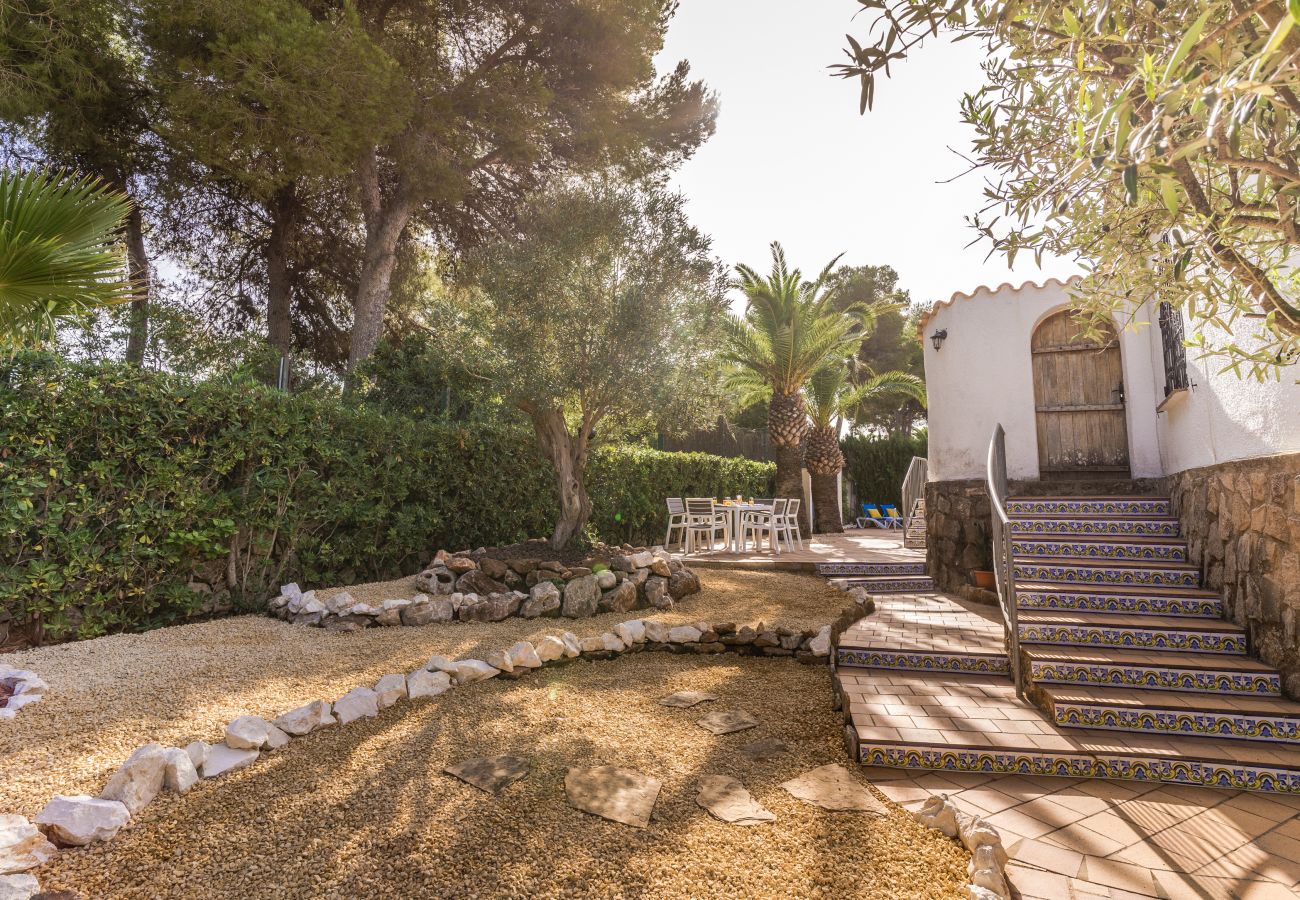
column 59, row 253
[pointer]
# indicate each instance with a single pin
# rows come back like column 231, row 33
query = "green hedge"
column 118, row 489
column 879, row 465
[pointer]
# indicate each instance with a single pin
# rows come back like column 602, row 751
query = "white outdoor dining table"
column 736, row 510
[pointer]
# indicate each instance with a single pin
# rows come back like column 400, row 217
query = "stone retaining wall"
column 1241, row 521
column 957, row 518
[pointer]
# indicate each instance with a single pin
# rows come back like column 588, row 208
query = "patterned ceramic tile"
column 917, row 584
column 1233, row 643
column 1103, row 574
column 926, row 662
column 1117, row 549
column 1156, row 678
column 1119, row 527
column 1166, row 721
column 873, row 568
column 1132, row 604
column 1089, row 506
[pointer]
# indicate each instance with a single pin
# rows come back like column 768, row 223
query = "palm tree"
column 59, row 252
column 833, row 397
column 789, row 330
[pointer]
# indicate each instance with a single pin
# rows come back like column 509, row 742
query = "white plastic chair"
column 763, row 525
column 703, row 519
column 676, row 519
column 788, row 524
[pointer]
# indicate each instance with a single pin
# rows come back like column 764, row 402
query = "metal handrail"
column 1003, row 559
column 918, row 473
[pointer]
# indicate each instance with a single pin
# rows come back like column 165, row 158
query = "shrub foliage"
column 879, row 465
column 122, row 493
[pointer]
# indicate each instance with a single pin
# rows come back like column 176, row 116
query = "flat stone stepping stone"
column 766, row 748
column 727, row 799
column 833, row 787
column 725, row 721
column 620, row 795
column 490, row 773
column 687, row 699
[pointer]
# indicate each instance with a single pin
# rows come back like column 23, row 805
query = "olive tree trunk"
column 567, row 454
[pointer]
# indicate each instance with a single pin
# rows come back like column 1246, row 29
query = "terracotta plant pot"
column 984, row 579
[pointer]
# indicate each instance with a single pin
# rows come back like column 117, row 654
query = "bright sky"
column 793, row 161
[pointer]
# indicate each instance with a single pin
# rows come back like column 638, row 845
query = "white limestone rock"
column 138, row 780
column 390, row 689
column 275, row 739
column 305, row 719
column 592, row 643
column 22, row 846
column 500, row 659
column 179, row 772
column 632, row 632
column 438, row 663
column 339, row 603
column 79, row 820
column 19, row 887
column 684, row 634
column 358, row 703
column 550, row 648
column 423, row 683
column 938, row 812
column 469, row 671
column 656, row 631
column 820, row 645
column 613, row 642
column 363, row 609
column 197, row 751
column 248, row 732
column 572, row 646
column 523, row 655
column 223, row 758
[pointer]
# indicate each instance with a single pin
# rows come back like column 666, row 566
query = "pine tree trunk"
column 568, row 457
column 137, row 262
column 386, row 219
column 279, row 293
column 826, row 497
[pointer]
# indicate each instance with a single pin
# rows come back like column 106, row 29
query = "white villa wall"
column 1224, row 417
column 983, row 375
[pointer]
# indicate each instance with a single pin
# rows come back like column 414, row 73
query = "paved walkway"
column 854, row 545
column 1091, row 838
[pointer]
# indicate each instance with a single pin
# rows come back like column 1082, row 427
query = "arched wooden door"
column 1079, row 401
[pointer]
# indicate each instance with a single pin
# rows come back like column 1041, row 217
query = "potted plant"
column 982, row 575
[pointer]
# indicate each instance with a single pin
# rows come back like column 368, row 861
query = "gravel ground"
column 364, row 811
column 173, row 685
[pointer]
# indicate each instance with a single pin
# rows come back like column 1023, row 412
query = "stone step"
column 1142, row 601
column 1172, row 712
column 1089, row 506
column 1156, row 549
column 1147, row 632
column 1162, row 526
column 1151, row 670
column 888, row 584
column 1072, row 570
column 967, row 662
column 957, row 723
column 871, row 568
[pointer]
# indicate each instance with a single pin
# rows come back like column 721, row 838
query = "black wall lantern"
column 938, row 338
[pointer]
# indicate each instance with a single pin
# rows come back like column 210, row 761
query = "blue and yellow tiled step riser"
column 870, row 568
column 1116, row 549
column 1089, row 506
column 1134, row 638
column 1155, row 678
column 1242, row 726
column 1118, row 527
column 1249, row 777
column 905, row 584
column 956, row 663
column 1100, row 573
column 1130, row 604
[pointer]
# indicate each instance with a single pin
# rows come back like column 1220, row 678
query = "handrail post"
column 918, row 473
column 1003, row 556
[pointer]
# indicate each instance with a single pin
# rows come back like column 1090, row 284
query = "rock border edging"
column 22, row 686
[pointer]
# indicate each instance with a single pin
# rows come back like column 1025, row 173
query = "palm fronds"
column 59, row 254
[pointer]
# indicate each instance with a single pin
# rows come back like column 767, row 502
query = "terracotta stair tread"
column 1126, row 620
column 1093, row 562
column 1101, row 587
column 1135, row 698
column 1149, row 658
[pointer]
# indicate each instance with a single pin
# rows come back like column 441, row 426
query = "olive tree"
column 1156, row 142
column 603, row 311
